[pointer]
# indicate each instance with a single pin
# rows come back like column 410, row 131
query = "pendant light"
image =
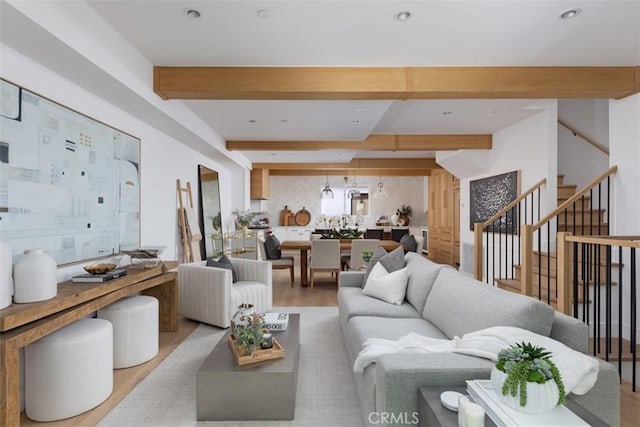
column 327, row 192
column 381, row 194
column 354, row 193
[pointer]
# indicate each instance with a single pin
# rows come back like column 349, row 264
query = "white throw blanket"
column 579, row 371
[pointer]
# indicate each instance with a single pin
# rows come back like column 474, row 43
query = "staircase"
column 580, row 218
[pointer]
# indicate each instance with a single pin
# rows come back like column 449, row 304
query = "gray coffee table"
column 264, row 391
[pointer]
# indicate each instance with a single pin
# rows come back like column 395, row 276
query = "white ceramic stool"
column 135, row 329
column 69, row 371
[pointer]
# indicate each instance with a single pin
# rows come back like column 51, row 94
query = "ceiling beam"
column 345, row 83
column 373, row 143
column 350, row 172
column 278, row 83
column 521, row 82
column 371, row 165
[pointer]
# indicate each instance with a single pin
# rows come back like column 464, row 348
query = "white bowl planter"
column 541, row 398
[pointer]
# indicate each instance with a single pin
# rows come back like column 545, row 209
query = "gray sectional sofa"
column 441, row 302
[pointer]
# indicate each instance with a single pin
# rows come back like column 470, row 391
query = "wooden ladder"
column 190, row 248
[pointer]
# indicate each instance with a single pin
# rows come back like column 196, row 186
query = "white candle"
column 463, row 401
column 473, row 415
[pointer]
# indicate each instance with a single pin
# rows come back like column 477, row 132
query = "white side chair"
column 325, row 257
column 357, row 246
column 69, row 371
column 284, row 262
column 208, row 294
column 420, row 242
column 135, row 329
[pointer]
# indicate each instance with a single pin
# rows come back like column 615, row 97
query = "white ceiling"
column 365, row 33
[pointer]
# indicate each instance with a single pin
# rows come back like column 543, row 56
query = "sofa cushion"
column 271, row 246
column 391, row 261
column 409, row 241
column 422, row 273
column 458, row 304
column 353, row 302
column 389, row 287
column 359, row 329
column 223, row 262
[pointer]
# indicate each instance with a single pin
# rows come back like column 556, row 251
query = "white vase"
column 242, row 317
column 394, row 219
column 35, row 277
column 6, row 280
column 541, row 398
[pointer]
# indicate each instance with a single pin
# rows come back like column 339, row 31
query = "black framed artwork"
column 489, row 195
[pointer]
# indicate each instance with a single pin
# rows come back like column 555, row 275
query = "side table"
column 433, row 414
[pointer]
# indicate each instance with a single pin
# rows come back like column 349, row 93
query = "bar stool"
column 69, row 371
column 135, row 329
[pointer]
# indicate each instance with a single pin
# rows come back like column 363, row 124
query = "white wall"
column 529, row 146
column 579, row 161
column 163, row 159
column 624, row 135
column 304, row 191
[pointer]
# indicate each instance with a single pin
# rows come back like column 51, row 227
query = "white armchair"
column 208, row 295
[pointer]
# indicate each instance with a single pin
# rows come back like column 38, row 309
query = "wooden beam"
column 279, row 82
column 344, row 83
column 520, row 82
column 350, row 172
column 355, row 164
column 444, row 142
column 373, row 143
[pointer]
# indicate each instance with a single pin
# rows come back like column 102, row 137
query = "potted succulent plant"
column 249, row 337
column 366, row 255
column 526, row 379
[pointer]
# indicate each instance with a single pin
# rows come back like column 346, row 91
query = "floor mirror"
column 210, row 212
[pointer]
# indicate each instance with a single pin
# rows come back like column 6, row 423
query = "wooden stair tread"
column 554, row 275
column 627, row 355
column 513, row 285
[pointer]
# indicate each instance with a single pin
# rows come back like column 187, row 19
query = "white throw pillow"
column 389, row 287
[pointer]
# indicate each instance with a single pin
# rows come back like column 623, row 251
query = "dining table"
column 304, row 246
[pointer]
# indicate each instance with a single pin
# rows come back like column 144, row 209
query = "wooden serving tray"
column 261, row 355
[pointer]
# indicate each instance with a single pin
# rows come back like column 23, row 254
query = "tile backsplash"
column 297, row 192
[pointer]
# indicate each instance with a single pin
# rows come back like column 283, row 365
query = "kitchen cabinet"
column 259, row 181
column 292, row 233
column 444, row 218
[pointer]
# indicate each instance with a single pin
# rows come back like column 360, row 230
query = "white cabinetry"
column 292, row 233
column 280, row 233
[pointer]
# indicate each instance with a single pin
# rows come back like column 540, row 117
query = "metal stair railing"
column 507, row 224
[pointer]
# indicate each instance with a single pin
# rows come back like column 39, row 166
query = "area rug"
column 326, row 395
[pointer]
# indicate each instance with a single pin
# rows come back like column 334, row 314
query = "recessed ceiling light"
column 252, row 121
column 263, row 13
column 192, row 13
column 403, row 16
column 355, row 121
column 283, row 120
column 446, row 113
column 571, row 13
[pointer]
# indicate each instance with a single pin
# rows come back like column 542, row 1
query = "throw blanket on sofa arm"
column 579, row 371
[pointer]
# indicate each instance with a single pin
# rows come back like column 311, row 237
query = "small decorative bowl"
column 99, row 268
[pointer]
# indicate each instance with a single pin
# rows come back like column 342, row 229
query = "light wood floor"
column 323, row 294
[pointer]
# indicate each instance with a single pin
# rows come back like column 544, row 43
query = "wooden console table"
column 22, row 324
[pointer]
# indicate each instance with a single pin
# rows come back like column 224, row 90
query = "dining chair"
column 355, row 260
column 397, row 233
column 325, row 257
column 284, row 262
column 373, row 233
